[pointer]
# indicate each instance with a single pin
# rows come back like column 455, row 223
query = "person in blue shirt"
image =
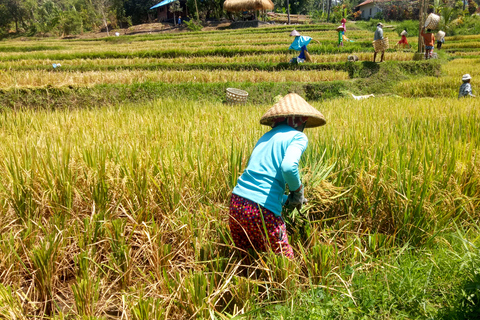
column 466, row 87
column 258, row 198
column 300, row 43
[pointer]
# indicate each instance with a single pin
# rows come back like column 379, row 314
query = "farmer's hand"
column 296, row 199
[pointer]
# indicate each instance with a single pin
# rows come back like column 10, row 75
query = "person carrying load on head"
column 429, row 41
column 255, row 216
column 344, row 21
column 403, row 41
column 300, row 43
column 378, row 36
column 440, row 36
column 466, row 87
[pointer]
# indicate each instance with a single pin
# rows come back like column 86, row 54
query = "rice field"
column 120, row 210
column 29, row 79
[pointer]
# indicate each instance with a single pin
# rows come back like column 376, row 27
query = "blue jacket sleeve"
column 290, row 162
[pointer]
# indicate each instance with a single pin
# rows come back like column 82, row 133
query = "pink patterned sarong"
column 247, row 227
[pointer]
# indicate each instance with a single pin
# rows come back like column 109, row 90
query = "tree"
column 137, row 10
column 15, row 12
column 102, row 7
column 328, row 10
column 472, row 7
column 175, row 7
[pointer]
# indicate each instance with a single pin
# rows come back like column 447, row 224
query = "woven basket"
column 235, row 96
column 380, row 45
column 432, row 21
column 440, row 35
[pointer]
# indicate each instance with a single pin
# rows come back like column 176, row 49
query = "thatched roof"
column 239, row 5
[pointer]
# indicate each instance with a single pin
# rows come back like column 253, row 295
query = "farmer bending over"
column 466, row 87
column 300, row 43
column 258, row 197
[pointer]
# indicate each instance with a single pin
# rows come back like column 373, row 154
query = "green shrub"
column 369, row 25
column 469, row 25
column 193, row 25
column 410, row 25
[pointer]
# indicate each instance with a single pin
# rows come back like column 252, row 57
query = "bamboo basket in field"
column 236, row 96
column 432, row 21
column 380, row 45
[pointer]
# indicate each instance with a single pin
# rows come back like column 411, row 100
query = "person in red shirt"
column 403, row 41
column 429, row 41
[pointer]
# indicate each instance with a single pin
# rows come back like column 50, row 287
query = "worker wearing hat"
column 466, row 87
column 258, row 198
column 429, row 41
column 300, row 43
column 378, row 36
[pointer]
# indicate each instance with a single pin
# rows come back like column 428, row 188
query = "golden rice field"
column 275, row 58
column 28, row 79
column 120, row 210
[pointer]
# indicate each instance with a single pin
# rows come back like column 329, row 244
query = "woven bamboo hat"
column 340, row 28
column 293, row 105
column 294, row 33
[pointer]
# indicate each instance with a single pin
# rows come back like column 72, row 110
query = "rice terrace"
column 119, row 154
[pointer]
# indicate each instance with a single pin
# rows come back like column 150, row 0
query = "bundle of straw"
column 380, row 45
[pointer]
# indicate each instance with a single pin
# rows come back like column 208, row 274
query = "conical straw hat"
column 294, row 33
column 293, row 105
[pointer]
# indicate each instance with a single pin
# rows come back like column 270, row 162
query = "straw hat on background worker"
column 292, row 105
column 294, row 33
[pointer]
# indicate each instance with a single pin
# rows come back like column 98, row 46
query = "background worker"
column 300, row 43
column 429, row 41
column 403, row 41
column 378, row 36
column 466, row 87
column 440, row 39
column 258, row 197
column 341, row 31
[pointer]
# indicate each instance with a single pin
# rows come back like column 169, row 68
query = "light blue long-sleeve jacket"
column 274, row 162
column 299, row 42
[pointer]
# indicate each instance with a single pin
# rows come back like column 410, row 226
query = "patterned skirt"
column 248, row 228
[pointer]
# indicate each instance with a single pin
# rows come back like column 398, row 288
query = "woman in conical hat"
column 258, row 198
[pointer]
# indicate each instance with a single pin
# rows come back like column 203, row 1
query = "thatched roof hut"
column 241, row 5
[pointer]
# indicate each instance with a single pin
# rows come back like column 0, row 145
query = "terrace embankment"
column 366, row 77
